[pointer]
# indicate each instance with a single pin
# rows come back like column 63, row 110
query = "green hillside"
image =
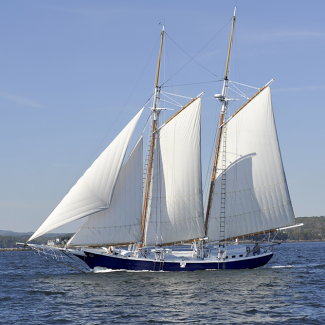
column 313, row 229
column 10, row 241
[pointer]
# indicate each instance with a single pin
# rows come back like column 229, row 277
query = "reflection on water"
column 290, row 289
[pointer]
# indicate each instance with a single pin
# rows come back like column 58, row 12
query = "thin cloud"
column 90, row 12
column 281, row 36
column 22, row 101
column 63, row 165
column 208, row 55
column 27, row 204
column 104, row 109
column 298, row 89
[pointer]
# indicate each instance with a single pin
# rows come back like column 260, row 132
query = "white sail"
column 121, row 222
column 175, row 209
column 94, row 190
column 257, row 196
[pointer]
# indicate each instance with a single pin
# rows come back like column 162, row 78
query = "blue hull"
column 116, row 263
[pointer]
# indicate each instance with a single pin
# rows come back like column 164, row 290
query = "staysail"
column 256, row 192
column 94, row 190
column 121, row 222
column 175, row 208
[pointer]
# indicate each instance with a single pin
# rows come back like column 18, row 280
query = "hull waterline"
column 112, row 262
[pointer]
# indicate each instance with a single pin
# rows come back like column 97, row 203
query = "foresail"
column 121, row 222
column 175, row 208
column 257, row 196
column 94, row 190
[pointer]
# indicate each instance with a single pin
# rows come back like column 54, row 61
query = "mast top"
column 230, row 42
column 161, row 43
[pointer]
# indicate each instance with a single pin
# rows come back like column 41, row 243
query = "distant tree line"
column 10, row 241
column 313, row 229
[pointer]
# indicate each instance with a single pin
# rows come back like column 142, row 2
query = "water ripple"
column 288, row 290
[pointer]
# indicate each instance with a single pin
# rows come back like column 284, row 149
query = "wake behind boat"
column 149, row 215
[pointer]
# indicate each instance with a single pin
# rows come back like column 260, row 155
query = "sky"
column 73, row 73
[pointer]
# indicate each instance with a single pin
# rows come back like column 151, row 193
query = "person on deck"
column 256, row 249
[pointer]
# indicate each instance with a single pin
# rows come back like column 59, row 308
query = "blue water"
column 290, row 289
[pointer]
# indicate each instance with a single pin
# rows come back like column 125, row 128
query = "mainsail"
column 256, row 191
column 121, row 222
column 175, row 209
column 94, row 190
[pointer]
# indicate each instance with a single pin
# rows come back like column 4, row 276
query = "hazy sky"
column 70, row 68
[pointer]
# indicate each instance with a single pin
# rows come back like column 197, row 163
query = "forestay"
column 175, row 209
column 257, row 196
column 121, row 222
column 94, row 190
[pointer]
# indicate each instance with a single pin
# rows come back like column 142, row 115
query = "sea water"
column 290, row 289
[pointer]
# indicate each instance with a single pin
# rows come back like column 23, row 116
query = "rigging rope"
column 192, row 58
column 120, row 112
column 194, row 83
column 57, row 256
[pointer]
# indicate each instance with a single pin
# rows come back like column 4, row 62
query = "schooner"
column 160, row 223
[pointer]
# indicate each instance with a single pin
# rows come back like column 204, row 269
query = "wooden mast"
column 224, row 101
column 155, row 114
column 230, row 42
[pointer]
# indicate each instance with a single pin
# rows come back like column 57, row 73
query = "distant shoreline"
column 18, row 249
column 286, row 241
column 21, row 249
column 301, row 241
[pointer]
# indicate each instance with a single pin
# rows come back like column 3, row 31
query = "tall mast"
column 224, row 100
column 155, row 111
